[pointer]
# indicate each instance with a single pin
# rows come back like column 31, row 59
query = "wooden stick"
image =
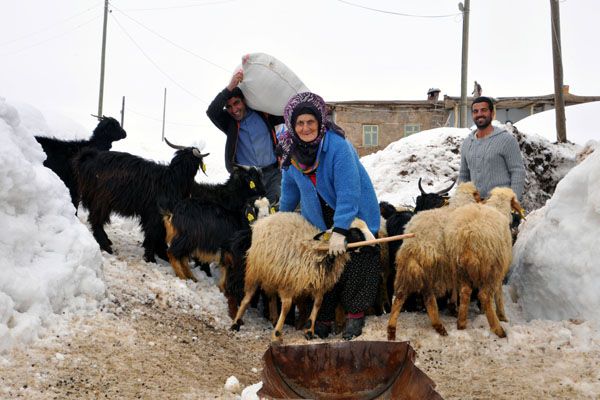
column 373, row 241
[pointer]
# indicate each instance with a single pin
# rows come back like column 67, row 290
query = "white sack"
column 268, row 83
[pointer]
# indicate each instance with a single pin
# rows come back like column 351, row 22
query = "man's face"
column 236, row 108
column 482, row 115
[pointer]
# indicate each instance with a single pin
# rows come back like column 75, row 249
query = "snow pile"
column 50, row 262
column 546, row 164
column 433, row 155
column 555, row 268
column 580, row 129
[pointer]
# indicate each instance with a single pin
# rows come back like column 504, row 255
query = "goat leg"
column 237, row 321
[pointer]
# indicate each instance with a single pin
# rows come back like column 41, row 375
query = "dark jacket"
column 226, row 123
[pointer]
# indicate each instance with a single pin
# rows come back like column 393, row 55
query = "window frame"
column 371, row 133
column 418, row 129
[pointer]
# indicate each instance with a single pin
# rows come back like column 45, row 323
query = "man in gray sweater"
column 490, row 156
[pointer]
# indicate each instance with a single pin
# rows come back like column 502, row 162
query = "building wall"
column 391, row 121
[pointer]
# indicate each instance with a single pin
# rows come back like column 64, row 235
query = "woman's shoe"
column 353, row 328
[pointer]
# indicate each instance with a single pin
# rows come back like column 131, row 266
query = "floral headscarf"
column 291, row 148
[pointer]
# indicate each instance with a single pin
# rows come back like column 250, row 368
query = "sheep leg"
column 304, row 310
column 237, row 321
column 499, row 298
column 396, row 307
column 434, row 316
column 485, row 298
column 318, row 300
column 286, row 304
column 463, row 306
column 273, row 310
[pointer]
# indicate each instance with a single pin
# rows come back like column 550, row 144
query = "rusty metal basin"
column 355, row 370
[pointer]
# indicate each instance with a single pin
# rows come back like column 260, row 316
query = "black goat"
column 129, row 185
column 60, row 153
column 243, row 184
column 233, row 258
column 200, row 226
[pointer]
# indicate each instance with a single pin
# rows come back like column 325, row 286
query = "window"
column 370, row 135
column 409, row 129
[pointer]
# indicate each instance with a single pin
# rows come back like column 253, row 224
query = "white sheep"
column 421, row 262
column 284, row 259
column 479, row 244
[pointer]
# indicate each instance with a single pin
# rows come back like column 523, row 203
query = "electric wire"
column 166, row 122
column 170, row 41
column 51, row 38
column 154, row 63
column 398, row 13
column 48, row 27
column 179, row 7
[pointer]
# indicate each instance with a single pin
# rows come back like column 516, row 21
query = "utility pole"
column 465, row 8
column 559, row 100
column 164, row 114
column 101, row 96
column 123, row 113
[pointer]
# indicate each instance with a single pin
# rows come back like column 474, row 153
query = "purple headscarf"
column 290, row 145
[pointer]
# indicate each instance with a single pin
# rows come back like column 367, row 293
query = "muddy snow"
column 156, row 336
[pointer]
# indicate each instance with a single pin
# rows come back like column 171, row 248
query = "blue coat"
column 342, row 182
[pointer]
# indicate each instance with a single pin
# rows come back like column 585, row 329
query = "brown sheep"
column 480, row 247
column 283, row 259
column 421, row 262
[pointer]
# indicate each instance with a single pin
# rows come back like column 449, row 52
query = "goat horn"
column 177, row 147
column 197, row 153
column 421, row 188
column 444, row 191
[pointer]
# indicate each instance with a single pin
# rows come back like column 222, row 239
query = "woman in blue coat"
column 322, row 174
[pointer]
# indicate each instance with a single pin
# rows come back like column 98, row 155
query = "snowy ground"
column 157, row 336
column 77, row 323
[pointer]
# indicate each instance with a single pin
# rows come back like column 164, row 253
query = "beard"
column 482, row 123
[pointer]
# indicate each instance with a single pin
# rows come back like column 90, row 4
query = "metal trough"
column 355, row 370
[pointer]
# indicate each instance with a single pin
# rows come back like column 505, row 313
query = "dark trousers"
column 357, row 288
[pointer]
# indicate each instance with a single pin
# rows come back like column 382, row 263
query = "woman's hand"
column 337, row 244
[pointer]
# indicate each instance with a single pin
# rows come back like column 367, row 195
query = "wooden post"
column 559, row 100
column 102, row 58
column 465, row 8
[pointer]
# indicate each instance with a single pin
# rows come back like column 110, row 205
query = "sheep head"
column 504, row 198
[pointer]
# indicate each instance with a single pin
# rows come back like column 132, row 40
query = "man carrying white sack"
column 251, row 138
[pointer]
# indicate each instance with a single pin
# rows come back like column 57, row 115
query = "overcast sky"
column 50, row 52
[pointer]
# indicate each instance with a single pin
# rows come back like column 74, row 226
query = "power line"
column 398, row 13
column 155, row 64
column 183, row 6
column 160, row 120
column 49, row 26
column 170, row 41
column 52, row 38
